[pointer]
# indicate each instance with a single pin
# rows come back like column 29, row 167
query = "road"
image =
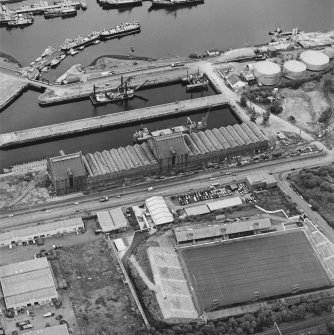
column 168, row 187
column 300, row 326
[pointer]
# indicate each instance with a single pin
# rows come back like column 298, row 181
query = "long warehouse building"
column 166, row 153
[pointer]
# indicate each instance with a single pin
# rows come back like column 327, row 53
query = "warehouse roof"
column 168, row 145
column 224, row 203
column 54, row 330
column 159, row 211
column 61, row 166
column 112, row 220
column 43, row 229
column 24, row 281
column 197, row 210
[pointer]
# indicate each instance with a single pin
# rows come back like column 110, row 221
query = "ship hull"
column 106, row 4
column 107, row 101
column 168, row 4
column 120, row 34
column 83, row 44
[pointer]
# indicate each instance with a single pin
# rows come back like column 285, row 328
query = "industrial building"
column 166, row 153
column 267, row 73
column 158, row 211
column 206, row 232
column 263, row 180
column 44, row 230
column 314, row 60
column 67, row 173
column 112, row 220
column 28, row 283
column 54, row 330
column 294, row 69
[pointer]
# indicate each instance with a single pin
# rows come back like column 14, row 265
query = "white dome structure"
column 294, row 69
column 329, row 51
column 267, row 73
column 314, row 60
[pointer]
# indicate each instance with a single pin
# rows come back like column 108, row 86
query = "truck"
column 27, row 326
column 177, row 64
column 22, row 323
column 48, row 314
column 103, row 199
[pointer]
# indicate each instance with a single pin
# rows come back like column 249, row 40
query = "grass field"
column 270, row 265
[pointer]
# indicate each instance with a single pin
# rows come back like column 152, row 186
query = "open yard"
column 231, row 272
column 101, row 300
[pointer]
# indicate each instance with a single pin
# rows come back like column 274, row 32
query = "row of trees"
column 248, row 323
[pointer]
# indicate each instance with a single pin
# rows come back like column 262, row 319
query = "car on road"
column 213, row 178
column 48, row 211
column 118, row 196
column 150, row 189
column 76, row 203
column 104, row 199
column 10, row 215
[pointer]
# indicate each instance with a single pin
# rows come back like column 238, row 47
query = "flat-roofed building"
column 224, row 203
column 197, row 210
column 43, row 230
column 54, row 330
column 112, row 220
column 260, row 180
column 159, row 210
column 27, row 283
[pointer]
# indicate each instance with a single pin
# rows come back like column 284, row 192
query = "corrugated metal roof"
column 148, row 151
column 199, row 143
column 110, row 162
column 22, row 267
column 235, row 135
column 221, row 139
column 242, row 134
column 93, row 164
column 228, row 137
column 191, row 144
column 89, row 170
column 132, row 154
column 159, row 211
column 261, row 178
column 257, row 131
column 168, row 145
column 101, row 163
column 249, row 132
column 117, row 159
column 111, row 220
column 43, row 229
column 141, row 153
column 206, row 141
column 54, row 330
column 224, row 203
column 125, row 158
column 209, row 134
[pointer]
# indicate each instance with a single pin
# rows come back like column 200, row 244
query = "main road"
column 170, row 186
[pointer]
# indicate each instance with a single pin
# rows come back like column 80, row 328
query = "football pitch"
column 271, row 265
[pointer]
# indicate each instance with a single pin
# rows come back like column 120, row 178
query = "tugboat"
column 121, row 30
column 144, row 134
column 83, row 4
column 73, row 52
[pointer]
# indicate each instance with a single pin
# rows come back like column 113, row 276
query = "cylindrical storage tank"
column 329, row 51
column 267, row 73
column 293, row 69
column 314, row 60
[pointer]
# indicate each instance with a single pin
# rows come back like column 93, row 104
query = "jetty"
column 64, row 129
column 40, row 9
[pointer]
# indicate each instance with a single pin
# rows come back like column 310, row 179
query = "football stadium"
column 253, row 269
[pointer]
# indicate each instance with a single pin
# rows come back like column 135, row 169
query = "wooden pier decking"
column 107, row 121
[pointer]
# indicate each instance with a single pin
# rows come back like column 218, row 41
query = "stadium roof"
column 159, row 211
column 197, row 210
column 55, row 330
column 204, row 231
column 112, row 220
column 26, row 281
column 19, row 234
column 224, row 203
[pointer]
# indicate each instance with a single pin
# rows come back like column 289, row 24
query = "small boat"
column 81, row 48
column 73, row 52
column 61, row 56
column 38, row 59
column 55, row 62
column 48, row 51
column 83, row 4
column 45, row 69
column 97, row 42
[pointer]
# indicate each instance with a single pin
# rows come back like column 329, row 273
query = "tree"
column 276, row 108
column 291, row 118
column 243, row 101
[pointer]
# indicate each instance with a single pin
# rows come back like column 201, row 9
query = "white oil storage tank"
column 294, row 69
column 314, row 60
column 267, row 73
column 329, row 51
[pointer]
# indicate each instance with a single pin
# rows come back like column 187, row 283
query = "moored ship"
column 120, row 3
column 175, row 3
column 122, row 29
column 68, row 11
column 144, row 134
column 51, row 13
column 79, row 42
column 21, row 20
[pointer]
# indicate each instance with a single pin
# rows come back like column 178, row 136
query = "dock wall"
column 107, row 121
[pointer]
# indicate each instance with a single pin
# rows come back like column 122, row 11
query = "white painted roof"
column 159, row 211
column 224, row 203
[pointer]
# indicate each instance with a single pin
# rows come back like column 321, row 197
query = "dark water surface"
column 218, row 24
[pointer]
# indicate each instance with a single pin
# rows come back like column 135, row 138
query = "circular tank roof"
column 329, row 51
column 294, row 66
column 316, row 58
column 267, row 68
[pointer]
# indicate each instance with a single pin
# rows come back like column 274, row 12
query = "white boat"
column 73, row 52
column 48, row 51
column 97, row 42
column 45, row 69
column 38, row 59
column 62, row 56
